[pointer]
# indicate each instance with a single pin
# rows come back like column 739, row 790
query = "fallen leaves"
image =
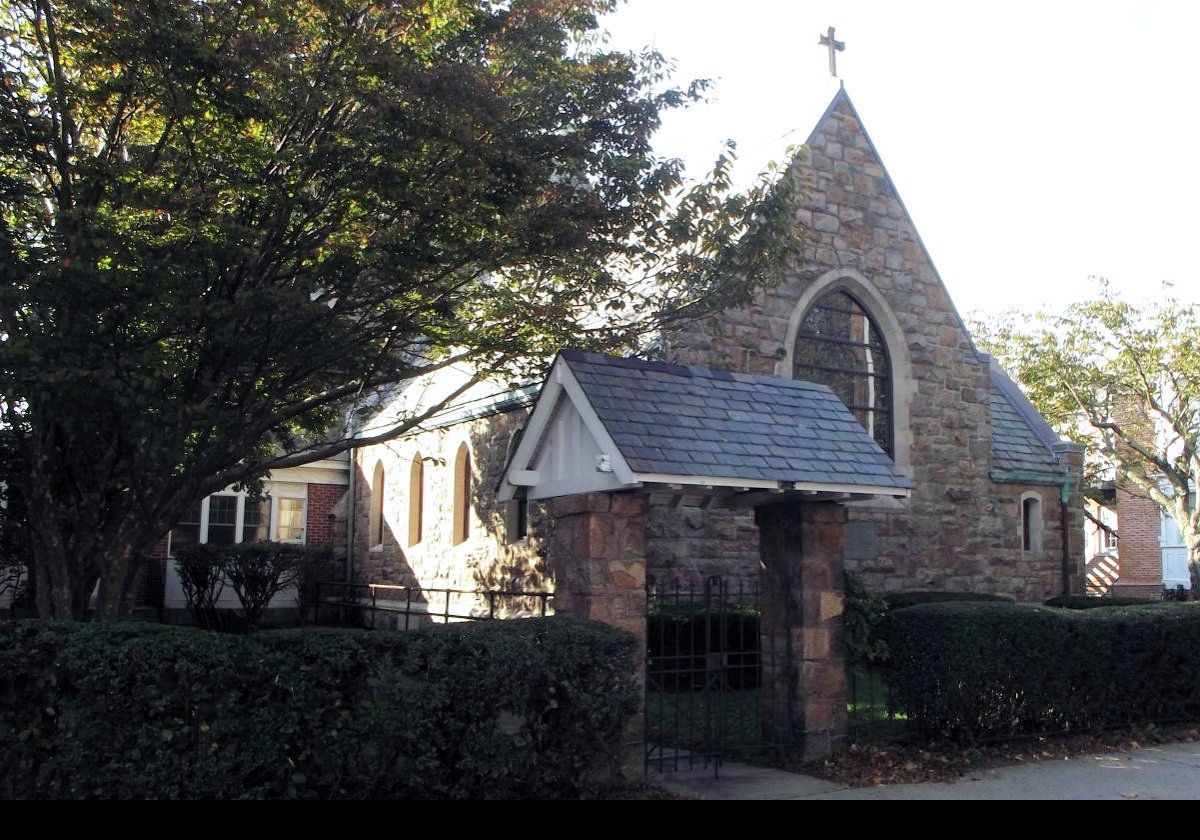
column 876, row 764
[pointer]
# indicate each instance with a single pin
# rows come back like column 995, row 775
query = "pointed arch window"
column 416, row 499
column 377, row 520
column 840, row 345
column 462, row 494
column 1031, row 522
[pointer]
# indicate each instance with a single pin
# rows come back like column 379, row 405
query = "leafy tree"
column 14, row 550
column 1124, row 380
column 221, row 221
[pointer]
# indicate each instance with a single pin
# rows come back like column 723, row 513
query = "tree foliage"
column 1123, row 379
column 222, row 221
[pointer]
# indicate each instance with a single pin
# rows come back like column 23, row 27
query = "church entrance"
column 715, row 682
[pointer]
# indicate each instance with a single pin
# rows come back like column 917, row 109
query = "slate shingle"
column 695, row 421
column 1016, row 444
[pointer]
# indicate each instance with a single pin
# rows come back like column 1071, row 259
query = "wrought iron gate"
column 718, row 681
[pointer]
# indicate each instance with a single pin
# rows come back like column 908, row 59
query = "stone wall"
column 959, row 530
column 489, row 558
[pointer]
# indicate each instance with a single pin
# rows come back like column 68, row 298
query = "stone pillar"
column 598, row 563
column 801, row 548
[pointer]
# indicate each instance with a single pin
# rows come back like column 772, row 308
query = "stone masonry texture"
column 490, row 558
column 960, row 530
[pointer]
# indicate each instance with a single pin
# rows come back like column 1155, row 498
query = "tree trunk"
column 69, row 562
column 63, row 581
column 1193, row 546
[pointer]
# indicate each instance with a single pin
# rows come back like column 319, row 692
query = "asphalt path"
column 1170, row 771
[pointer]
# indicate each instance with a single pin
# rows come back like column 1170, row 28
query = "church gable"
column 857, row 220
column 863, row 310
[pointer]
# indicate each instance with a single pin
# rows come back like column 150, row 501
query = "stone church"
column 995, row 503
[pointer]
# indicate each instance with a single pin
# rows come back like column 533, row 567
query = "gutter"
column 1026, row 477
column 350, row 494
column 1060, row 451
column 1065, row 528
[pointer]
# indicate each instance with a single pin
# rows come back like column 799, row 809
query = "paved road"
column 1167, row 772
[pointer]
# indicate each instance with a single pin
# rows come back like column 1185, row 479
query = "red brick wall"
column 321, row 500
column 160, row 551
column 1138, row 526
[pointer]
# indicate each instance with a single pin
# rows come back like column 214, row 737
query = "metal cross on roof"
column 835, row 47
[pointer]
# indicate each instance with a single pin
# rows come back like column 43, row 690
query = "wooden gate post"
column 800, row 544
column 598, row 561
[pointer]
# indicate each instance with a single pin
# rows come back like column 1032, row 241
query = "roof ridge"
column 688, row 371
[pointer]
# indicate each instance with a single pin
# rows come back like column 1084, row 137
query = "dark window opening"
column 840, row 345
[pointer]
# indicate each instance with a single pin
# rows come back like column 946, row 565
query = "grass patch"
column 735, row 725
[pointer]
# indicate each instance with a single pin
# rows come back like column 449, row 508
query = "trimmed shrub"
column 864, row 611
column 903, row 600
column 993, row 670
column 256, row 572
column 505, row 709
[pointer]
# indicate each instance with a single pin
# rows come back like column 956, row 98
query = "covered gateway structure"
column 609, row 434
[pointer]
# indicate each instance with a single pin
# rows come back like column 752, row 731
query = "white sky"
column 1034, row 144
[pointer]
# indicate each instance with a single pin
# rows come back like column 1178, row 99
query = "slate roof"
column 697, row 421
column 1021, row 438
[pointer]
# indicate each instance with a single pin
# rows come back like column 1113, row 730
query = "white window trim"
column 272, row 491
column 289, row 494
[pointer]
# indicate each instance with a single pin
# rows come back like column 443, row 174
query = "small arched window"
column 416, row 499
column 377, row 522
column 1031, row 523
column 840, row 345
column 462, row 494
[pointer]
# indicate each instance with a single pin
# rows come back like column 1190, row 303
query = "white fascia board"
column 535, row 429
column 764, row 484
column 590, row 419
column 709, row 480
column 602, row 483
column 855, row 489
column 318, row 472
column 522, row 478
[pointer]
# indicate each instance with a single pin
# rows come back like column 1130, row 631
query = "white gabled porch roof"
column 603, row 424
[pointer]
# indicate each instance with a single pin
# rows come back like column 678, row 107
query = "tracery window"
column 840, row 345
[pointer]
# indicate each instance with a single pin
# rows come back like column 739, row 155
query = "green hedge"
column 903, row 600
column 1090, row 602
column 500, row 709
column 987, row 670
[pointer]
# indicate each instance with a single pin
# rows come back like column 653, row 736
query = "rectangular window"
column 256, row 521
column 291, row 520
column 222, row 520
